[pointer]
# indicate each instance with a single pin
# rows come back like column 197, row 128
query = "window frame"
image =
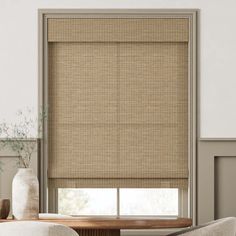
column 182, row 206
column 47, row 194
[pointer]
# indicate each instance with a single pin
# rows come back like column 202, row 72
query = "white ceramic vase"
column 25, row 195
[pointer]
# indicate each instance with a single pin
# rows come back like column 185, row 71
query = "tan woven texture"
column 118, row 30
column 118, row 114
column 118, row 183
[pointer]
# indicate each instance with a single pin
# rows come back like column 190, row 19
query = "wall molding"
column 208, row 151
column 191, row 14
column 216, row 139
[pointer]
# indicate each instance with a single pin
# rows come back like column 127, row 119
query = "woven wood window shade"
column 118, row 102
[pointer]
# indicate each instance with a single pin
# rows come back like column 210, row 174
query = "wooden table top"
column 119, row 223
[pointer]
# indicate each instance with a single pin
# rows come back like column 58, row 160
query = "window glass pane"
column 163, row 202
column 72, row 201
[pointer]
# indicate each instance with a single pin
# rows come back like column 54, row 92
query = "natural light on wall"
column 161, row 202
column 18, row 88
column 87, row 201
column 138, row 202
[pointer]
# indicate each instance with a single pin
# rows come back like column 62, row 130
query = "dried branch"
column 17, row 135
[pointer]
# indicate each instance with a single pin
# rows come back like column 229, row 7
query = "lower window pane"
column 74, row 201
column 156, row 202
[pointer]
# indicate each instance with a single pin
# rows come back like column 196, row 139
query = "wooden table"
column 112, row 226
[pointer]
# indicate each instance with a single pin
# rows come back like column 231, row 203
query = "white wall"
column 18, row 55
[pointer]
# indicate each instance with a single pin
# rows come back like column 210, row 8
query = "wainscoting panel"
column 216, row 170
column 9, row 166
column 225, row 186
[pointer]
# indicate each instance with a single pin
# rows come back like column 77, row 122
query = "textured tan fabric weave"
column 118, row 111
column 118, row 183
column 118, row 30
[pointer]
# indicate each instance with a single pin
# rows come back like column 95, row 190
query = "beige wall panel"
column 225, row 189
column 208, row 184
column 118, row 30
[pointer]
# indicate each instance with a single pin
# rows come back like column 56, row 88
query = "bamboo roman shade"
column 118, row 102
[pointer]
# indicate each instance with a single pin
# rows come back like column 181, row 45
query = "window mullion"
column 118, row 202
